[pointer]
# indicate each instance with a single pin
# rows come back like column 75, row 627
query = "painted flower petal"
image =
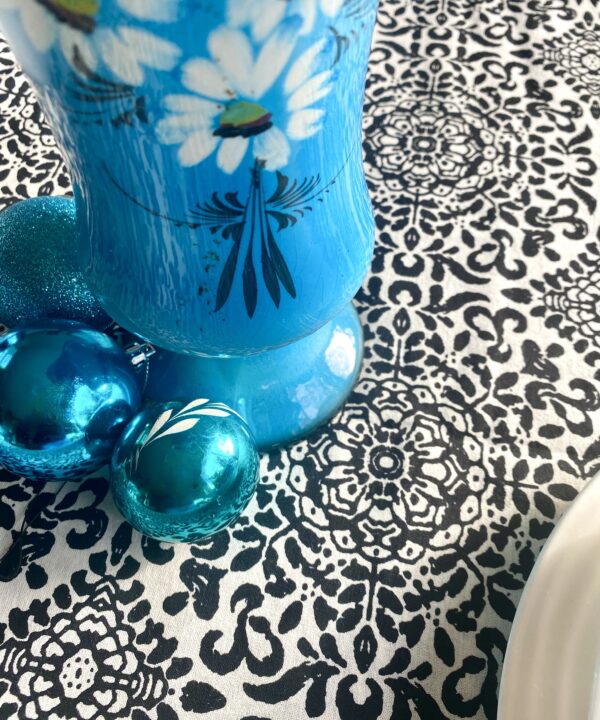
column 231, row 153
column 261, row 15
column 304, row 123
column 119, row 57
column 272, row 148
column 204, row 77
column 311, row 91
column 331, row 7
column 240, row 12
column 198, row 146
column 267, row 18
column 149, row 49
column 308, row 11
column 177, row 128
column 302, row 69
column 205, row 109
column 39, row 24
column 159, row 10
column 70, row 39
column 273, row 57
column 232, row 52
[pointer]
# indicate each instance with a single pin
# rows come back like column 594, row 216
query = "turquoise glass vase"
column 215, row 150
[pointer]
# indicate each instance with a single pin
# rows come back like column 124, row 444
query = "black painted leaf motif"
column 292, row 682
column 8, row 710
column 398, row 664
column 246, row 559
column 291, row 617
column 270, row 275
column 307, row 649
column 282, row 183
column 521, row 500
column 36, row 576
column 562, row 491
column 421, row 672
column 365, row 648
column 249, row 283
column 501, row 604
column 413, row 629
column 389, row 600
column 228, row 272
column 544, row 504
column 451, row 693
column 347, row 706
column 128, row 569
column 280, row 265
column 179, row 667
column 410, row 699
column 330, row 650
column 444, row 647
column 203, row 581
column 7, row 516
column 349, row 619
column 165, row 712
column 174, row 604
column 324, row 613
column 200, row 697
column 157, row 552
column 139, row 611
column 386, row 625
column 121, row 542
column 284, row 220
column 19, row 620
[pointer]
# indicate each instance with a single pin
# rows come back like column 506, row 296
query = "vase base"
column 283, row 394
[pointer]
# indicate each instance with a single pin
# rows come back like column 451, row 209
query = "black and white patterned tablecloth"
column 377, row 572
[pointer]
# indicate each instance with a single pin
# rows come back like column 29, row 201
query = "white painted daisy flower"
column 263, row 16
column 228, row 112
column 125, row 50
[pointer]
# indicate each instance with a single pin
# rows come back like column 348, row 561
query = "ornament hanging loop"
column 139, row 354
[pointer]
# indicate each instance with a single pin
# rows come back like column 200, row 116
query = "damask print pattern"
column 377, row 572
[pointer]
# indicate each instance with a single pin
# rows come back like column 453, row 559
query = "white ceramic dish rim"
column 551, row 664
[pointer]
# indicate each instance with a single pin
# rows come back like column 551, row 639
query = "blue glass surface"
column 216, row 152
column 184, row 470
column 66, row 394
column 282, row 394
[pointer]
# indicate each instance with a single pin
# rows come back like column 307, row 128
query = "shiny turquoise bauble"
column 39, row 270
column 184, row 470
column 66, row 394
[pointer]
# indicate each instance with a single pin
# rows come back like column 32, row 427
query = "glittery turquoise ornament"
column 183, row 471
column 66, row 394
column 39, row 274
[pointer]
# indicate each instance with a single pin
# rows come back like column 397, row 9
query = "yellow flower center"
column 79, row 14
column 243, row 119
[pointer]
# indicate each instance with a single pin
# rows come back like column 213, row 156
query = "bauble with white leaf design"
column 184, row 470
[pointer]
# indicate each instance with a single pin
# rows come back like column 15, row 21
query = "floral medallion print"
column 425, row 466
column 378, row 570
column 576, row 57
column 86, row 660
